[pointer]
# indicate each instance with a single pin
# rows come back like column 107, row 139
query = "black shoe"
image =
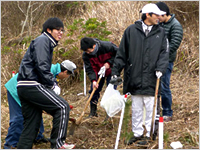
column 93, row 115
column 167, row 118
column 42, row 140
column 144, row 141
column 9, row 147
column 133, row 140
column 93, row 111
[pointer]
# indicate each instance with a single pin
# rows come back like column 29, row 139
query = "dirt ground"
column 95, row 133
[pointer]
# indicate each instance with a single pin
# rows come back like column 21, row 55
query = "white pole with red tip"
column 13, row 73
column 84, row 79
column 160, row 139
column 121, row 120
column 161, row 127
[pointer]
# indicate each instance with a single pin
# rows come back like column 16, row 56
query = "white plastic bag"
column 112, row 101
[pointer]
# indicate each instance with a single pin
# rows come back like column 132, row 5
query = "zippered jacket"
column 106, row 53
column 36, row 63
column 174, row 32
column 141, row 56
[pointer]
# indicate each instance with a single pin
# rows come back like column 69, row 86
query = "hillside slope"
column 95, row 133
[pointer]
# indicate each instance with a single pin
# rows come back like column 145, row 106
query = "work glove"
column 116, row 80
column 102, row 71
column 158, row 74
column 56, row 89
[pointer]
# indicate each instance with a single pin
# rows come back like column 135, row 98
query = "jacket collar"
column 54, row 43
column 144, row 26
column 97, row 42
column 172, row 17
column 138, row 24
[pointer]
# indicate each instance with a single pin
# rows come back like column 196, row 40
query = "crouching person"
column 96, row 55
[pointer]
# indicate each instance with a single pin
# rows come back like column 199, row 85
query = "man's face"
column 56, row 33
column 63, row 75
column 153, row 19
column 90, row 50
column 162, row 18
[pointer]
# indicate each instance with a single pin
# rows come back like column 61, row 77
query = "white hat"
column 152, row 8
column 69, row 65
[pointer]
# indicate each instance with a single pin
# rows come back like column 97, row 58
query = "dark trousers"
column 166, row 92
column 16, row 124
column 34, row 99
column 96, row 95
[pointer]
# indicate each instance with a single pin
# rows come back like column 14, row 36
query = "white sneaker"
column 67, row 146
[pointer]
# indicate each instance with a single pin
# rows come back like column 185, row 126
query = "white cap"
column 152, row 8
column 69, row 65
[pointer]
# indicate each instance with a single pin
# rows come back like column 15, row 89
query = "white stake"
column 160, row 139
column 13, row 73
column 84, row 79
column 120, row 123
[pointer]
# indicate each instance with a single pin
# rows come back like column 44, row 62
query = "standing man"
column 98, row 55
column 37, row 89
column 174, row 32
column 59, row 71
column 143, row 54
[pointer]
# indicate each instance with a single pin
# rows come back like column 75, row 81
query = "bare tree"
column 31, row 10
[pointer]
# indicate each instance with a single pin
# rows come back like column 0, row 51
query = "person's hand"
column 56, row 89
column 116, row 80
column 107, row 65
column 102, row 71
column 95, row 84
column 158, row 74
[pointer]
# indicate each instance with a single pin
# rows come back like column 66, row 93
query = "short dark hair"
column 162, row 6
column 144, row 16
column 86, row 43
column 52, row 23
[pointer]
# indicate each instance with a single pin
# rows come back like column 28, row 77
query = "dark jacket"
column 174, row 32
column 36, row 63
column 141, row 57
column 93, row 63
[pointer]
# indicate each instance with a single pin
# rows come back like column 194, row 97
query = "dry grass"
column 118, row 14
column 96, row 133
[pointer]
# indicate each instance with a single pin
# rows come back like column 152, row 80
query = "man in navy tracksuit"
column 37, row 89
column 16, row 118
column 97, row 54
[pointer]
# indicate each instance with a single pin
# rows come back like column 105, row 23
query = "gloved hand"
column 158, row 74
column 116, row 80
column 56, row 89
column 102, row 71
